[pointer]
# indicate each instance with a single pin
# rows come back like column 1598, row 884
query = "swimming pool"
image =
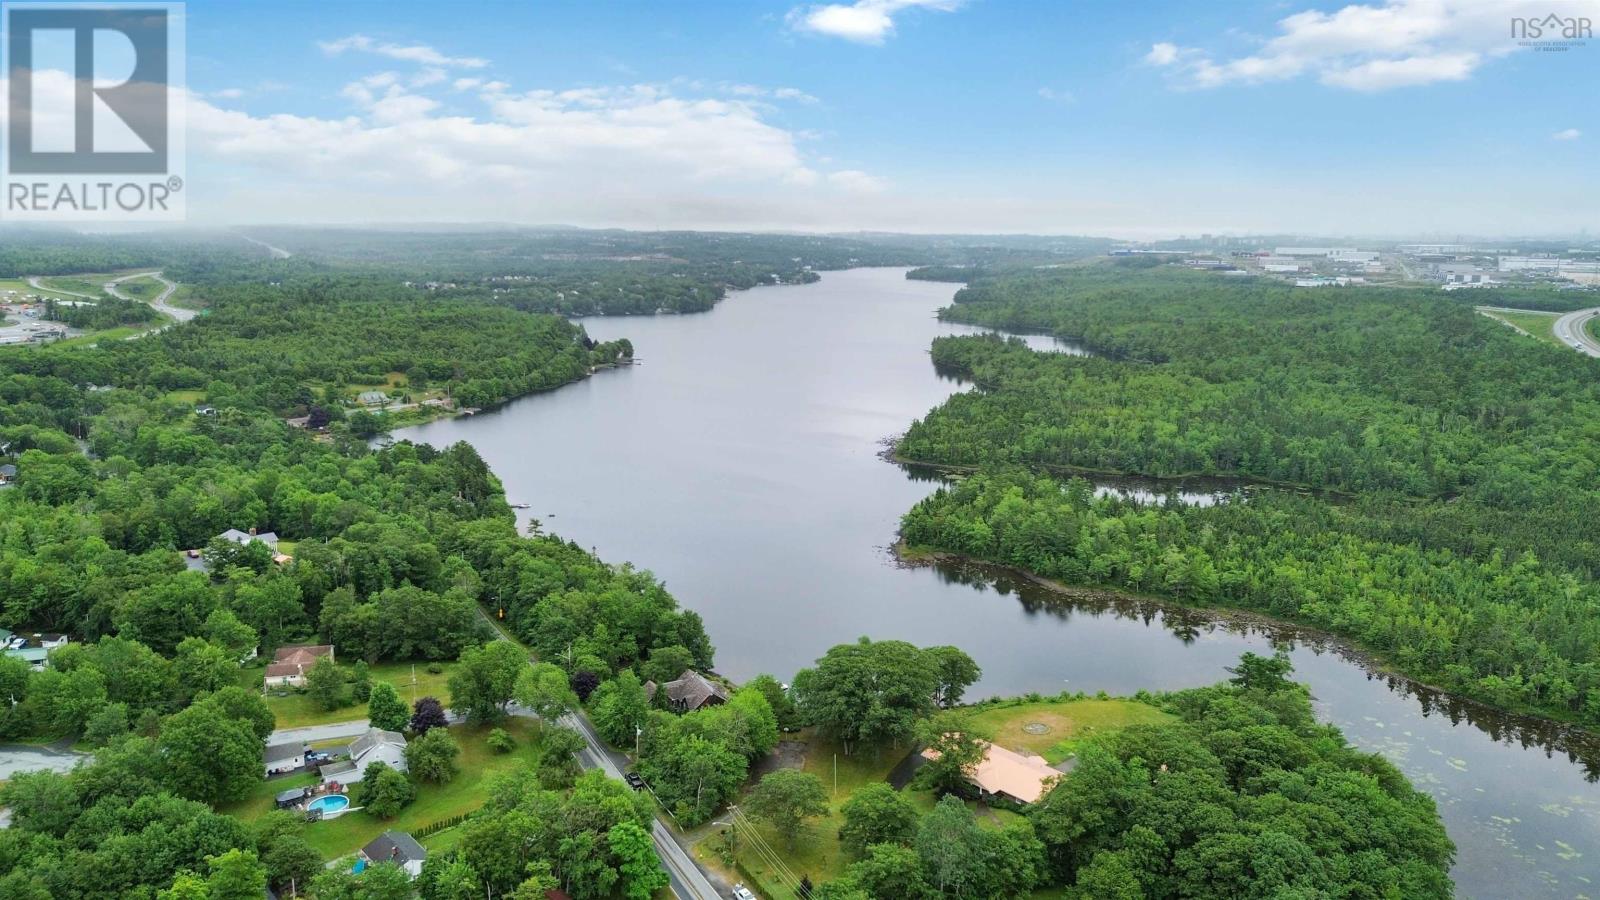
column 329, row 805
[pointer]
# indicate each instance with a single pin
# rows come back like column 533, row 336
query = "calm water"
column 740, row 461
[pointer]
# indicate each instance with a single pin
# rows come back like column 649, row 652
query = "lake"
column 741, row 461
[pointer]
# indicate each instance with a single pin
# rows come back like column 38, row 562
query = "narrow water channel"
column 740, row 460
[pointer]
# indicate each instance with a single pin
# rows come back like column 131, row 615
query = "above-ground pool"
column 329, row 805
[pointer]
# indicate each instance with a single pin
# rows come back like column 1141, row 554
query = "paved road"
column 159, row 304
column 688, row 881
column 1573, row 331
column 33, row 282
column 18, row 758
column 311, row 734
column 277, row 252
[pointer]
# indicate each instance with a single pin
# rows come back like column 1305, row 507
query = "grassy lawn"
column 93, row 285
column 145, row 289
column 1539, row 324
column 259, row 802
column 295, row 710
column 186, row 397
column 462, row 794
column 816, row 852
column 1068, row 721
column 21, row 288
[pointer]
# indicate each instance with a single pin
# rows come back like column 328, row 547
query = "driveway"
column 18, row 758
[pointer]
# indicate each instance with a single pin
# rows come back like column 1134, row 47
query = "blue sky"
column 1417, row 116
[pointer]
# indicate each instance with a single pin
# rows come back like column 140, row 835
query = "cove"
column 740, row 460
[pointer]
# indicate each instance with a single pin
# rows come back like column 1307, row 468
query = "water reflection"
column 1190, row 624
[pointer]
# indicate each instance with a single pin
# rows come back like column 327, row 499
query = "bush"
column 435, row 668
column 501, row 741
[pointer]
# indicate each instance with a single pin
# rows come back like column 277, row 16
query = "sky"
column 1148, row 119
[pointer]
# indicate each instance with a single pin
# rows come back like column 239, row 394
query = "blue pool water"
column 329, row 804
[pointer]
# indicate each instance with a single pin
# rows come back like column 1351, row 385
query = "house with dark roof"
column 396, row 847
column 281, row 758
column 290, row 664
column 689, row 692
column 8, row 473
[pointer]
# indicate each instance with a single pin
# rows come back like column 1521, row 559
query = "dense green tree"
column 640, row 869
column 236, row 875
column 619, row 707
column 325, row 684
column 201, row 667
column 209, row 756
column 544, row 689
column 868, row 692
column 382, row 791
column 432, row 757
column 785, row 799
column 385, row 709
column 876, row 813
column 485, row 680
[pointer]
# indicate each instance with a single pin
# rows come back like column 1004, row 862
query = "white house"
column 377, row 745
column 281, row 758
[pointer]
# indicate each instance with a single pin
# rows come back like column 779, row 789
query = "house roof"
column 8, row 470
column 693, row 690
column 394, row 846
column 278, row 752
column 374, row 737
column 1005, row 771
column 270, row 538
column 296, row 659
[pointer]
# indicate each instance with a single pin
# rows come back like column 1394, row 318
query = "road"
column 688, row 881
column 277, row 252
column 33, row 282
column 1573, row 331
column 18, row 758
column 159, row 304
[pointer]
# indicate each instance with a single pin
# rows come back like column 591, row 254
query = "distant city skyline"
column 1410, row 118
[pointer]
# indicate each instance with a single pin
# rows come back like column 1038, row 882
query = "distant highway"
column 1572, row 329
column 159, row 304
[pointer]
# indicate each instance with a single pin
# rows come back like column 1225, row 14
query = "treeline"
column 286, row 347
column 107, row 313
column 1508, row 630
column 1455, row 538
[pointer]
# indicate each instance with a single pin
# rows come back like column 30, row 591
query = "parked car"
column 740, row 892
column 634, row 781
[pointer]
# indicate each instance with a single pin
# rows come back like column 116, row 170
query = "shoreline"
column 1549, row 732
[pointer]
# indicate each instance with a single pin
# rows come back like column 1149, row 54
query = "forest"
column 1441, row 466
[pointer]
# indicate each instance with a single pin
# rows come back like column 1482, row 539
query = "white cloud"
column 1055, row 95
column 1567, row 134
column 1369, row 46
column 865, row 21
column 856, row 181
column 228, row 93
column 643, row 154
column 417, row 53
column 1162, row 54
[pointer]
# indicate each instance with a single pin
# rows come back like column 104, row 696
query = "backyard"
column 296, row 710
column 477, row 764
column 1051, row 728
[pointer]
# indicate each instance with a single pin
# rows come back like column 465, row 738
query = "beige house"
column 1009, row 775
column 290, row 665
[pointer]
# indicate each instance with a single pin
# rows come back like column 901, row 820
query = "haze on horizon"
column 1384, row 118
